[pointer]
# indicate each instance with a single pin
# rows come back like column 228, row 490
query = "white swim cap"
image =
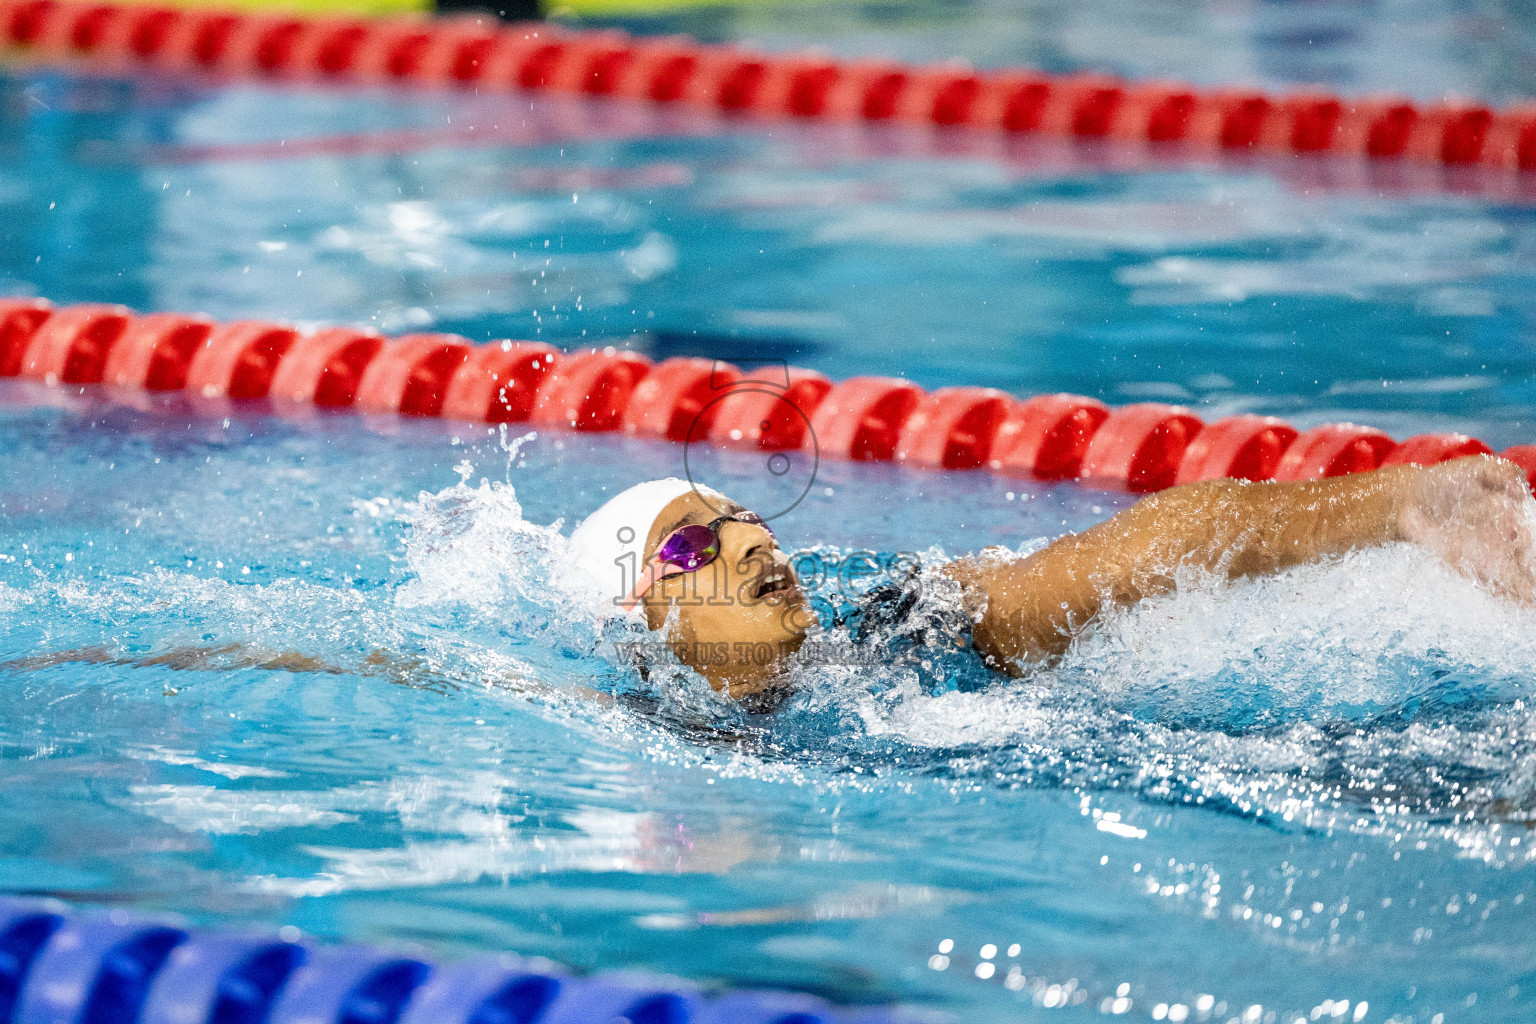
column 620, row 528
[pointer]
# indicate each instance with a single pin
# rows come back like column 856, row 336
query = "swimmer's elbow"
column 1022, row 645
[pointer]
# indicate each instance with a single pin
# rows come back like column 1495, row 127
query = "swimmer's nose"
column 764, row 559
column 746, row 543
column 755, row 553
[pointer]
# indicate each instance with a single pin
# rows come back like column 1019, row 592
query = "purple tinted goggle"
column 690, row 548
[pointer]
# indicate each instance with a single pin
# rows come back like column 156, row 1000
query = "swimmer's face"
column 737, row 617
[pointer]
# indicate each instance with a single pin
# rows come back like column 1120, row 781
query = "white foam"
column 208, row 810
column 470, row 546
column 1317, row 644
column 1377, row 691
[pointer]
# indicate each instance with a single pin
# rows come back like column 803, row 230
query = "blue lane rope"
column 58, row 966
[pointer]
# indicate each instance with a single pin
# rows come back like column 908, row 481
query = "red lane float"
column 145, row 41
column 93, row 29
column 658, row 70
column 1450, row 133
column 941, row 96
column 71, row 346
column 71, row 27
column 770, row 414
column 155, row 351
column 1154, row 112
column 1375, row 126
column 325, row 368
column 861, row 419
column 796, row 86
column 591, row 63
column 138, row 36
column 1081, row 105
column 35, row 23
column 954, row 428
column 1242, row 447
column 1301, row 123
column 864, row 91
column 1432, row 449
column 499, row 382
column 1139, row 447
column 589, row 390
column 410, row 375
column 1047, row 436
column 1511, row 142
column 19, row 321
column 1227, row 119
column 26, row 22
column 726, row 79
column 259, row 45
column 390, row 51
column 237, row 360
column 676, row 400
column 479, row 51
column 1012, row 102
column 330, row 48
column 462, row 54
column 195, row 41
column 1334, row 449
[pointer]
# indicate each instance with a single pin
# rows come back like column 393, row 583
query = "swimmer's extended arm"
column 405, row 670
column 1473, row 513
column 230, row 657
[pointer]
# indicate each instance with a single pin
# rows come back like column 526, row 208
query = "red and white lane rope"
column 1142, row 447
column 484, row 54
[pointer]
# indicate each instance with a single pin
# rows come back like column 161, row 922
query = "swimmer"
column 1011, row 612
column 1476, row 514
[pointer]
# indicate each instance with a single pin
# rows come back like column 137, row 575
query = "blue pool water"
column 1296, row 795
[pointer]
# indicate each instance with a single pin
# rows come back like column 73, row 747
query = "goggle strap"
column 648, row 577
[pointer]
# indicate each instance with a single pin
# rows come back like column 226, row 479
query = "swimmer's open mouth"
column 773, row 581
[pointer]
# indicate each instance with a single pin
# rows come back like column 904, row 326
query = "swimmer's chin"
column 758, row 688
column 754, row 682
column 745, row 650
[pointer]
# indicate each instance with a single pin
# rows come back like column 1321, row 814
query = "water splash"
column 471, row 547
column 1381, row 690
column 1381, row 682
